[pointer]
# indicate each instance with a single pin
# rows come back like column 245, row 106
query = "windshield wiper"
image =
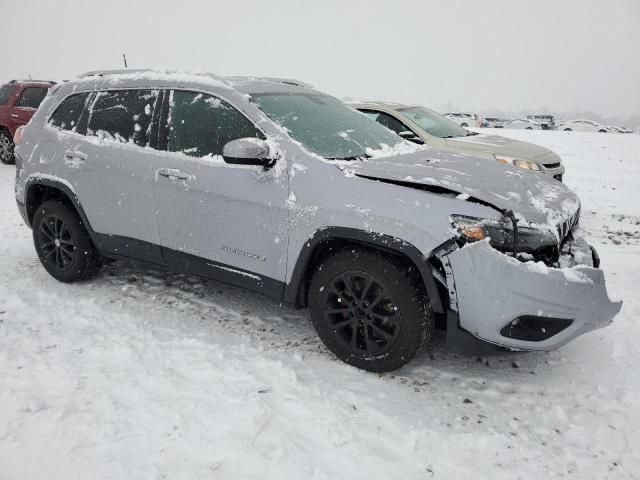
column 354, row 157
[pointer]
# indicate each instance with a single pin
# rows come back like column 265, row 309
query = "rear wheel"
column 529, row 128
column 6, row 148
column 63, row 243
column 567, row 130
column 370, row 309
column 464, row 124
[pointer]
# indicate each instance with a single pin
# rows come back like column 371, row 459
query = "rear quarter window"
column 5, row 93
column 67, row 115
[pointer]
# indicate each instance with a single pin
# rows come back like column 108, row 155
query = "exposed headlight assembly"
column 518, row 162
column 503, row 233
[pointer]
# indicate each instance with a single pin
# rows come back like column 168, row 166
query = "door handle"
column 173, row 174
column 74, row 157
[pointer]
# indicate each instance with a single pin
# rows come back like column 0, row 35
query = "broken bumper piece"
column 527, row 305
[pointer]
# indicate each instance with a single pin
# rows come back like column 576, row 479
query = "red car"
column 19, row 100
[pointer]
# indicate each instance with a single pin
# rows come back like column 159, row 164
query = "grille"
column 565, row 228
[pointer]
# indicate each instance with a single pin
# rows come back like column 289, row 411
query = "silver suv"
column 273, row 186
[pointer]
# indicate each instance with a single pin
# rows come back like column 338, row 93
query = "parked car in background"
column 289, row 192
column 19, row 100
column 547, row 122
column 493, row 122
column 421, row 125
column 582, row 125
column 523, row 124
column 465, row 119
column 615, row 129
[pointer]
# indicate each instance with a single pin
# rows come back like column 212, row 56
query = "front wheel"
column 465, row 125
column 6, row 148
column 63, row 244
column 370, row 309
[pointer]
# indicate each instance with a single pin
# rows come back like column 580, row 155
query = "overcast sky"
column 562, row 55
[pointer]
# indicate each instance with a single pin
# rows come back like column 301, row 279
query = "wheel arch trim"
column 37, row 180
column 296, row 288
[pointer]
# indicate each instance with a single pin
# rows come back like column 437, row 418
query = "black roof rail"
column 29, row 80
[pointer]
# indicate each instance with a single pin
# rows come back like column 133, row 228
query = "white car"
column 582, row 125
column 465, row 119
column 615, row 129
column 493, row 122
column 524, row 124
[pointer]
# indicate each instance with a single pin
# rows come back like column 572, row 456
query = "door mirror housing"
column 412, row 137
column 248, row 151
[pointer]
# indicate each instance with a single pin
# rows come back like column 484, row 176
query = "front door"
column 218, row 219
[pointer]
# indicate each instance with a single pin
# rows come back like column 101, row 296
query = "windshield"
column 434, row 123
column 325, row 125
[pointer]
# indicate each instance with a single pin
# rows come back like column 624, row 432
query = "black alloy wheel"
column 370, row 308
column 6, row 148
column 363, row 312
column 62, row 242
column 56, row 243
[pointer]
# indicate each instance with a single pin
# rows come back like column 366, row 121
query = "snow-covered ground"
column 141, row 374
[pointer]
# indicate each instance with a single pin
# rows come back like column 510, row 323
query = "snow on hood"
column 533, row 197
column 498, row 145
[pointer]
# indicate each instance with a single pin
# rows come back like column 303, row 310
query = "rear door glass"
column 123, row 116
column 67, row 115
column 32, row 97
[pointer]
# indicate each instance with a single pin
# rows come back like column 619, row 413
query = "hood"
column 495, row 144
column 533, row 197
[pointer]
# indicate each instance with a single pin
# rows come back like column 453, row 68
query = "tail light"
column 17, row 137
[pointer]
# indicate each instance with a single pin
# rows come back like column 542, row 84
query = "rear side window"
column 67, row 115
column 5, row 93
column 123, row 116
column 32, row 97
column 201, row 125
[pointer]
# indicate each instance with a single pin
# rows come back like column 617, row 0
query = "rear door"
column 109, row 159
column 232, row 216
column 27, row 104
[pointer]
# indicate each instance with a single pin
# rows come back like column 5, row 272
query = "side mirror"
column 412, row 137
column 248, row 151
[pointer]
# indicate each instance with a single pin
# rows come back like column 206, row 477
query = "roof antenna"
column 124, row 57
column 29, row 75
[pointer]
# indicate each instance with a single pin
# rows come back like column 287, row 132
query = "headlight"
column 518, row 162
column 500, row 233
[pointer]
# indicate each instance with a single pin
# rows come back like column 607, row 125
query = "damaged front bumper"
column 527, row 305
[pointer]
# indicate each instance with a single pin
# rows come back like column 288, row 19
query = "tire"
column 464, row 125
column 602, row 131
column 370, row 309
column 6, row 148
column 529, row 128
column 63, row 244
column 568, row 130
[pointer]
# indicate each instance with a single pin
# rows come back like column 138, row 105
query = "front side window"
column 123, row 116
column 325, row 125
column 5, row 93
column 434, row 123
column 201, row 125
column 388, row 121
column 67, row 115
column 32, row 97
